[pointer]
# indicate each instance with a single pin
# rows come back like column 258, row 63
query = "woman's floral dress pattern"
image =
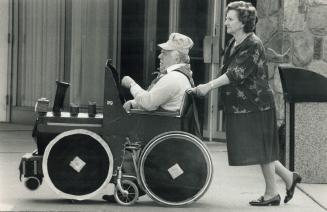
column 245, row 66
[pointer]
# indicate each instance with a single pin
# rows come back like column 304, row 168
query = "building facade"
column 70, row 40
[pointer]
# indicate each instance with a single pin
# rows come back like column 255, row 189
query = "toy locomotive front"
column 65, row 138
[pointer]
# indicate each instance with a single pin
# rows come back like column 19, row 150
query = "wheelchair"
column 78, row 155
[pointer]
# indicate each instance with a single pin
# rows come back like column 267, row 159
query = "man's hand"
column 127, row 82
column 128, row 105
column 200, row 90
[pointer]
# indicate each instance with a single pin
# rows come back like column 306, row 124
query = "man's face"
column 167, row 58
column 232, row 23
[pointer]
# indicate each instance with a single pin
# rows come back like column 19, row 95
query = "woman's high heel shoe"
column 290, row 192
column 262, row 202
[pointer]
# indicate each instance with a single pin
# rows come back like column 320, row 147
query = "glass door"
column 144, row 24
column 202, row 21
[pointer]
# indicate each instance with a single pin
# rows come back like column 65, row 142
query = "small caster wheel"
column 131, row 197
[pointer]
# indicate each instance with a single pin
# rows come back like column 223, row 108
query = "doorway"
column 132, row 39
column 202, row 20
column 144, row 24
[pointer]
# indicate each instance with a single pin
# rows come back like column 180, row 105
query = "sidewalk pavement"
column 231, row 188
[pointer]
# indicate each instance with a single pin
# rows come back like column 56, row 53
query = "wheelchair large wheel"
column 77, row 164
column 175, row 168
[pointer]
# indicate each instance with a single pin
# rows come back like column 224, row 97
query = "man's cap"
column 178, row 42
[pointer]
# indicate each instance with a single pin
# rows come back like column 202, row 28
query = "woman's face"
column 232, row 23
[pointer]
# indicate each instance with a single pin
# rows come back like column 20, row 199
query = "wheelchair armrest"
column 156, row 113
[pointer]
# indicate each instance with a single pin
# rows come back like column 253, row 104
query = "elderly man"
column 167, row 91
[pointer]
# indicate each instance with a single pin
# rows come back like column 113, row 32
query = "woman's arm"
column 203, row 89
column 220, row 81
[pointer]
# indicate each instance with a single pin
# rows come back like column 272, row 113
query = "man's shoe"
column 290, row 192
column 109, row 198
column 262, row 202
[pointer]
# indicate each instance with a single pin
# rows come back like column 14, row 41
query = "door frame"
column 215, row 117
column 215, row 31
column 150, row 38
column 12, row 78
column 6, row 19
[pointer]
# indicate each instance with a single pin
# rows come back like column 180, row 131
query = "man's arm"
column 160, row 93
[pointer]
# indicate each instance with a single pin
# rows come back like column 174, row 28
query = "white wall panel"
column 4, row 21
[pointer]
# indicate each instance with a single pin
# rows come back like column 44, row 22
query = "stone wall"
column 293, row 32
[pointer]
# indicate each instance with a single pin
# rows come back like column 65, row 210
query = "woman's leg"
column 268, row 171
column 284, row 173
column 290, row 179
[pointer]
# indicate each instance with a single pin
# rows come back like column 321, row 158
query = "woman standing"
column 251, row 128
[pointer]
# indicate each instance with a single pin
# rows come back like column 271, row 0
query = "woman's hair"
column 247, row 14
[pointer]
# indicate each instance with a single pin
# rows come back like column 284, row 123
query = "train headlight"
column 41, row 106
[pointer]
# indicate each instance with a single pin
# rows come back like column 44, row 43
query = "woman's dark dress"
column 251, row 129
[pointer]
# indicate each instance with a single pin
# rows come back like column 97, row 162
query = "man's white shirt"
column 167, row 93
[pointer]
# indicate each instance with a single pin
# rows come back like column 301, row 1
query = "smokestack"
column 60, row 97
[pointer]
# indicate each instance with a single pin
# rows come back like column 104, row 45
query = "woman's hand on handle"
column 200, row 90
column 203, row 89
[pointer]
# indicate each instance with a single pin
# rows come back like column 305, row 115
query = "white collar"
column 174, row 67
